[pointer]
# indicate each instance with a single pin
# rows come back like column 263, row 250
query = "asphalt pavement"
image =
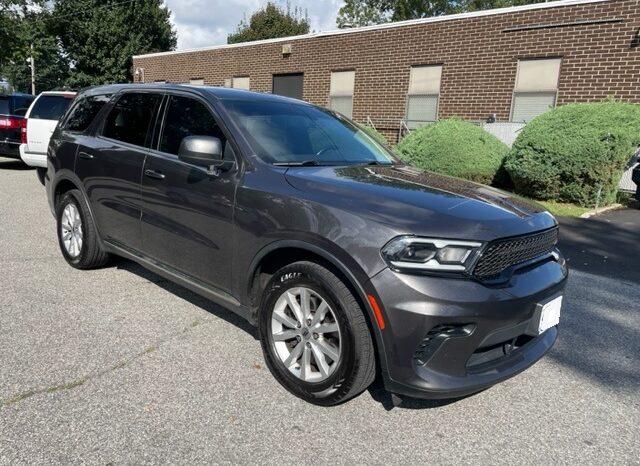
column 119, row 366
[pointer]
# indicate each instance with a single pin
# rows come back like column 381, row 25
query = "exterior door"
column 42, row 119
column 187, row 214
column 288, row 85
column 110, row 167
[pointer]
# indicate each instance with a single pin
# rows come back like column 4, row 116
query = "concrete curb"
column 594, row 212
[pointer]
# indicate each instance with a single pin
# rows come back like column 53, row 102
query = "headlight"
column 414, row 254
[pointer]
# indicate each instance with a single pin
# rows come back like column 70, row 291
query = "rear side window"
column 130, row 119
column 21, row 105
column 4, row 106
column 50, row 107
column 187, row 117
column 84, row 111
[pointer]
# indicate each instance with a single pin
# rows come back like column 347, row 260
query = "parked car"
column 635, row 177
column 12, row 110
column 41, row 119
column 350, row 262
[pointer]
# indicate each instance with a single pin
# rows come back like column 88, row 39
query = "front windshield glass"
column 283, row 133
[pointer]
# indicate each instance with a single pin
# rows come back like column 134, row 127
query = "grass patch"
column 563, row 209
column 20, row 397
column 67, row 386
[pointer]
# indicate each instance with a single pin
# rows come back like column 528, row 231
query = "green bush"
column 571, row 153
column 375, row 134
column 457, row 148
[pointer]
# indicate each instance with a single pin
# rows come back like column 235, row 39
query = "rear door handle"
column 154, row 174
column 85, row 155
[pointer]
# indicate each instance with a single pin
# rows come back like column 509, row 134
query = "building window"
column 197, row 82
column 241, row 82
column 536, row 88
column 423, row 95
column 341, row 93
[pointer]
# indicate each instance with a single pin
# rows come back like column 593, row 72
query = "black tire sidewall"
column 291, row 277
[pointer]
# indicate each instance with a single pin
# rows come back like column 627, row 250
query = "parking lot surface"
column 119, row 366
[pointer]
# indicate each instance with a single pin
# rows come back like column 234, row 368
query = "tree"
column 358, row 13
column 271, row 22
column 31, row 26
column 366, row 12
column 11, row 14
column 101, row 36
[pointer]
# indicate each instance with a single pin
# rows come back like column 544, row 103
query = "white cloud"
column 201, row 23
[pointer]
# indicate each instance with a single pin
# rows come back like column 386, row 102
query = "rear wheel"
column 40, row 172
column 314, row 335
column 77, row 235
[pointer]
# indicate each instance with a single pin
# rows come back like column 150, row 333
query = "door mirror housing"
column 205, row 151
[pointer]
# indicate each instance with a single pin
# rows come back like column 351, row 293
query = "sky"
column 201, row 23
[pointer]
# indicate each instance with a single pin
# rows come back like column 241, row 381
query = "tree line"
column 356, row 13
column 78, row 43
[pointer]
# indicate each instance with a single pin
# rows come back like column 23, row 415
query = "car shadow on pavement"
column 599, row 336
column 187, row 295
column 13, row 164
column 390, row 401
column 608, row 245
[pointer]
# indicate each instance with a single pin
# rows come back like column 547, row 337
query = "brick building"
column 513, row 63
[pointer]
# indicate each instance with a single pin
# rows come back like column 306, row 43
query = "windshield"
column 294, row 134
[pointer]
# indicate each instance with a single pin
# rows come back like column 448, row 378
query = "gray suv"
column 351, row 263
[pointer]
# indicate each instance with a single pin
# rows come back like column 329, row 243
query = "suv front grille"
column 505, row 253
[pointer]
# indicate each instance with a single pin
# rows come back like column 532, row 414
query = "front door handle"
column 85, row 155
column 154, row 174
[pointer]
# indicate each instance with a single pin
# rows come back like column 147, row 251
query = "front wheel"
column 314, row 335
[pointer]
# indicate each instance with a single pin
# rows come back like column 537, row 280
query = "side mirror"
column 205, row 151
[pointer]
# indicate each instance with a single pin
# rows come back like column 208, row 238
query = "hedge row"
column 575, row 153
column 457, row 148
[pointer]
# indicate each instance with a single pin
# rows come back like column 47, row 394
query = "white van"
column 42, row 118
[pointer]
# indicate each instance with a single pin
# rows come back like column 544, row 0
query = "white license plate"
column 550, row 314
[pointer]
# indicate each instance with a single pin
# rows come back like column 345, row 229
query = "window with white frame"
column 241, row 82
column 341, row 92
column 536, row 88
column 197, row 82
column 423, row 95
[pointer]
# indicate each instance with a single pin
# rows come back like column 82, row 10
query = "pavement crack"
column 70, row 385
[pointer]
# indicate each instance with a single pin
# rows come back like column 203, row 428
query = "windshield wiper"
column 305, row 163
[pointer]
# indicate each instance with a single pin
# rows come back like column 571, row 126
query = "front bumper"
column 446, row 338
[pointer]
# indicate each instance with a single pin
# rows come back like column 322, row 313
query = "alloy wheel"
column 71, row 229
column 306, row 334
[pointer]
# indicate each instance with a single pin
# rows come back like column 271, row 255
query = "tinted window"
column 50, row 107
column 21, row 104
column 290, row 133
column 84, row 111
column 187, row 117
column 130, row 119
column 4, row 106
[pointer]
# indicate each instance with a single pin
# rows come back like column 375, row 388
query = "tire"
column 41, row 172
column 89, row 254
column 355, row 367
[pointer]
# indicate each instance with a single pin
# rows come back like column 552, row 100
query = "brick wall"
column 479, row 57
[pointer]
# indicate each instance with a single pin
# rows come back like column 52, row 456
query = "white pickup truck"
column 42, row 117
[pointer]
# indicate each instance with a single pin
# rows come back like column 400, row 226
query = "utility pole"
column 32, row 65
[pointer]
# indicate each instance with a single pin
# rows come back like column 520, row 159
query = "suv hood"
column 413, row 201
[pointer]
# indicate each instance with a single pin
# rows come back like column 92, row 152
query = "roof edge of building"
column 397, row 24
